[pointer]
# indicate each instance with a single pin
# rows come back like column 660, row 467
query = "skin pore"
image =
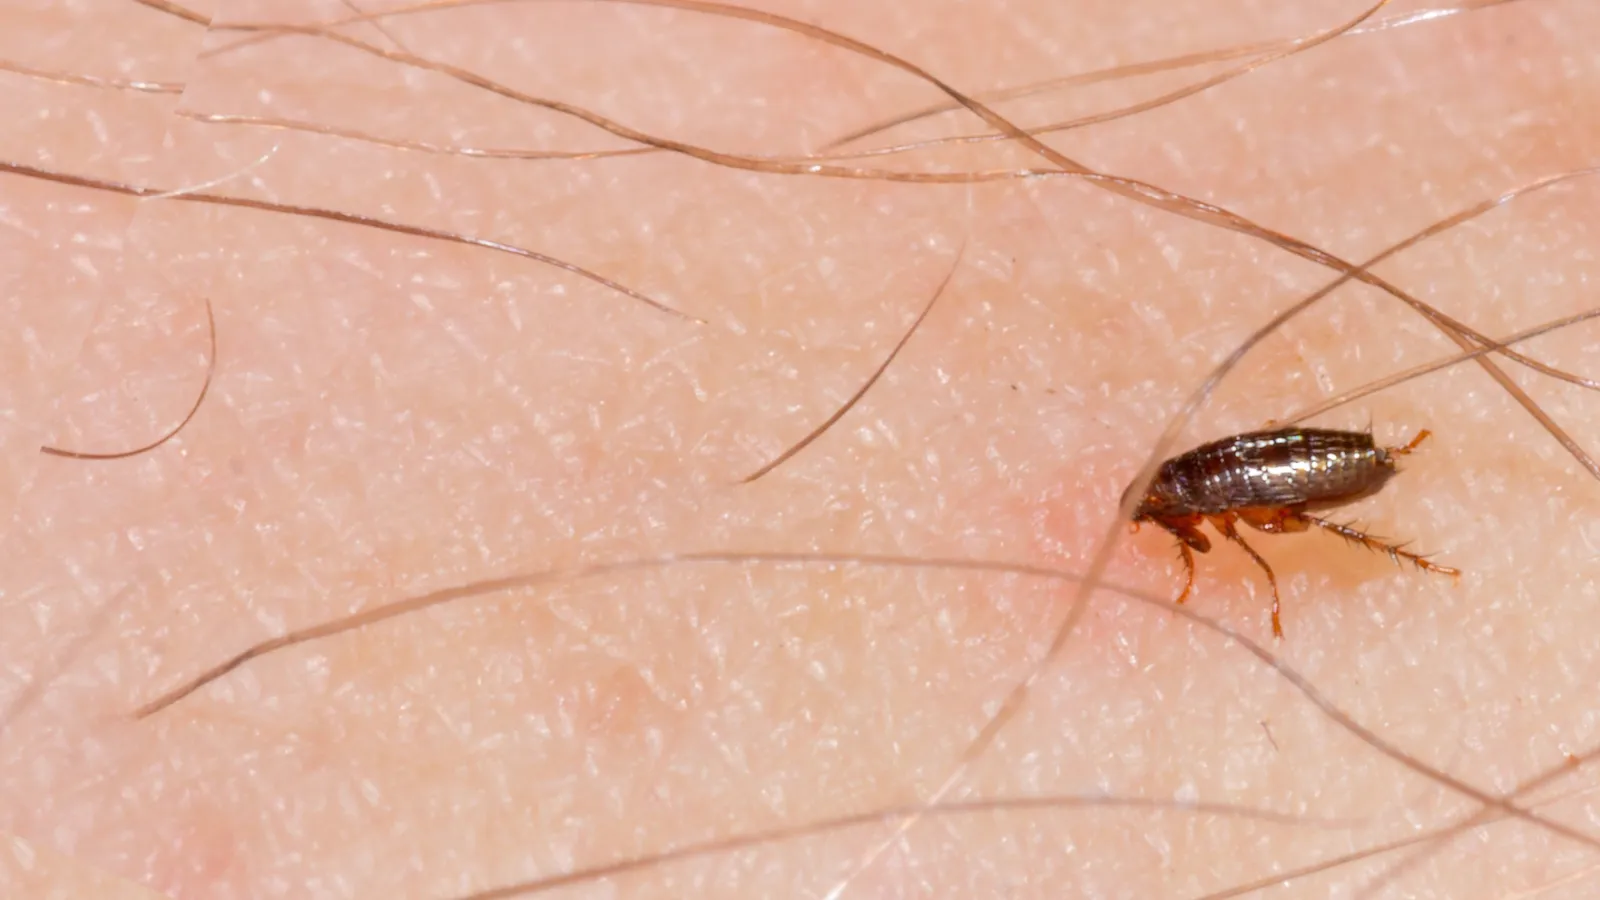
column 393, row 415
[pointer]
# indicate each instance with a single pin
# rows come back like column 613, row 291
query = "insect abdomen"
column 1286, row 467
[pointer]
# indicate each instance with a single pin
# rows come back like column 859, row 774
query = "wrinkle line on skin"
column 35, row 686
column 1291, row 676
column 1149, row 194
column 1169, row 64
column 866, row 386
column 756, row 839
column 1548, row 886
column 1540, row 890
column 200, row 398
column 333, row 215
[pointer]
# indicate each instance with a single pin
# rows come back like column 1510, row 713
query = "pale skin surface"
column 393, row 415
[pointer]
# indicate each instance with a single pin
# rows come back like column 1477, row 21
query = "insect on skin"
column 1271, row 480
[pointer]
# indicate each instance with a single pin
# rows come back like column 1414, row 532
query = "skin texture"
column 393, row 415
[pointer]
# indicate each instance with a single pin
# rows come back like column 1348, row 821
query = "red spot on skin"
column 619, row 704
column 1062, row 523
column 196, row 855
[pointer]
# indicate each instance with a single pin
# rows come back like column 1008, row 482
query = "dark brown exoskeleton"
column 1270, row 480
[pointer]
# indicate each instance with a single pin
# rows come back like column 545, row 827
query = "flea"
column 1271, row 481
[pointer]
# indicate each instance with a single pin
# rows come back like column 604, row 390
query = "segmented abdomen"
column 1286, row 467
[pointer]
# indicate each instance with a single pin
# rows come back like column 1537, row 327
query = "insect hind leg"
column 1395, row 552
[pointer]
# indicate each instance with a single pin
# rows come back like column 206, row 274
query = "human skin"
column 393, row 415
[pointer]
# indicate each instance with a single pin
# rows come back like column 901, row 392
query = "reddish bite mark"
column 1062, row 527
column 196, row 856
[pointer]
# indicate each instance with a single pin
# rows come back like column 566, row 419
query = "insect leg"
column 1224, row 524
column 1187, row 530
column 1188, row 568
column 1382, row 545
column 1422, row 435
